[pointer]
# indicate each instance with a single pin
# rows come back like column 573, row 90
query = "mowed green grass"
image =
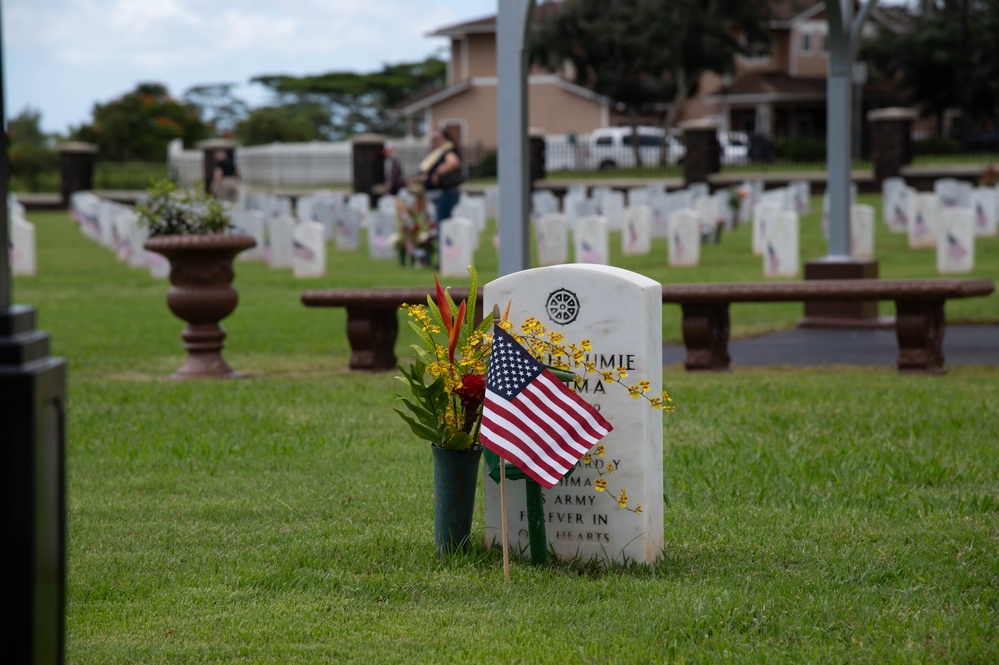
column 838, row 515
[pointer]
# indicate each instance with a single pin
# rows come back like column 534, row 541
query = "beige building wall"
column 810, row 62
column 552, row 109
column 482, row 55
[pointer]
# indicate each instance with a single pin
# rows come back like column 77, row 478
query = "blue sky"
column 62, row 56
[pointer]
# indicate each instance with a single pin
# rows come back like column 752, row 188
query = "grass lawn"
column 835, row 515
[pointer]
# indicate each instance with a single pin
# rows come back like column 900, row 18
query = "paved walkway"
column 963, row 345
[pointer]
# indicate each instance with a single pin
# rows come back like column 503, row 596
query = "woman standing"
column 442, row 174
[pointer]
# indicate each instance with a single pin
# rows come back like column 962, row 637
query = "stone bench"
column 919, row 312
column 372, row 314
column 372, row 319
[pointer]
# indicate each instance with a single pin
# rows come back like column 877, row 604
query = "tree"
column 219, row 107
column 140, row 124
column 290, row 124
column 359, row 102
column 647, row 54
column 947, row 61
column 29, row 148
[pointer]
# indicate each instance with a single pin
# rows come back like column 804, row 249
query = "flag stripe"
column 524, row 424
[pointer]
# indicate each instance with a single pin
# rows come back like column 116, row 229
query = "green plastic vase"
column 456, row 474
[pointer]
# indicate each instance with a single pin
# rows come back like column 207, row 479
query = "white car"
column 734, row 147
column 612, row 147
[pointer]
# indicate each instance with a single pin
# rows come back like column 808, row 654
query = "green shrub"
column 801, row 149
column 936, row 146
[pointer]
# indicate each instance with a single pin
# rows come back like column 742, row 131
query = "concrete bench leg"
column 372, row 332
column 919, row 327
column 705, row 334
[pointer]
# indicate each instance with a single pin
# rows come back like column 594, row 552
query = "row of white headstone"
column 22, row 252
column 949, row 219
column 115, row 226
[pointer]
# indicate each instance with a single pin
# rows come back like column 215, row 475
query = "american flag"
column 919, row 228
column 380, row 241
column 677, row 246
column 530, row 418
column 303, row 252
column 632, row 235
column 450, row 251
column 955, row 251
column 980, row 218
column 773, row 259
column 589, row 255
column 900, row 215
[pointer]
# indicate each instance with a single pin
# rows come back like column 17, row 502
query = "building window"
column 806, row 43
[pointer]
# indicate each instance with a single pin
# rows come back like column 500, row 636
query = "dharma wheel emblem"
column 562, row 306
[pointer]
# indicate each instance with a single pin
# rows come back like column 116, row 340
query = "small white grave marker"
column 862, row 231
column 924, row 222
column 985, row 206
column 381, row 227
column 590, row 240
column 22, row 251
column 457, row 244
column 280, row 242
column 636, row 234
column 684, row 238
column 552, row 235
column 781, row 250
column 309, row 250
column 347, row 234
column 956, row 241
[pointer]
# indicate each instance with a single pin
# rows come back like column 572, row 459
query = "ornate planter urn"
column 201, row 293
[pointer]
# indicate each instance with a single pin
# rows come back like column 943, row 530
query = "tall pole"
column 5, row 270
column 844, row 38
column 514, row 172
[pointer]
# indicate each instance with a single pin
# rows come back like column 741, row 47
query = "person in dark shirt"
column 225, row 178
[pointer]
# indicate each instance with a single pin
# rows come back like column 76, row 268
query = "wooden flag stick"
column 506, row 542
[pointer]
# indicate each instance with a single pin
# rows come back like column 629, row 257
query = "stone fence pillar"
column 703, row 156
column 368, row 163
column 76, row 168
column 537, row 156
column 208, row 149
column 891, row 134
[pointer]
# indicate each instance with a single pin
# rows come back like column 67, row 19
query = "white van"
column 611, row 147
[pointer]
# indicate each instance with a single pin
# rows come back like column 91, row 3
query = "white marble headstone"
column 612, row 207
column 956, row 241
column 456, row 246
column 590, row 240
column 279, row 242
column 638, row 196
column 763, row 212
column 684, row 238
column 472, row 208
column 552, row 236
column 801, row 194
column 360, row 202
column 698, row 189
column 159, row 266
column 985, row 206
column 707, row 208
column 924, row 221
column 952, row 193
column 570, row 200
column 781, row 248
column 893, row 190
column 723, row 203
column 636, row 231
column 386, row 204
column 543, row 202
column 22, row 251
column 381, row 227
column 347, row 234
column 308, row 250
column 662, row 206
column 620, row 312
column 251, row 223
column 862, row 231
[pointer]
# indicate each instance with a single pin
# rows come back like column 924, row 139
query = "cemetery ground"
column 834, row 514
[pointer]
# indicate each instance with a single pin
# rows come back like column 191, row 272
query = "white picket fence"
column 280, row 165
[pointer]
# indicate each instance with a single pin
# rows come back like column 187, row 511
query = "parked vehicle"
column 734, row 147
column 612, row 147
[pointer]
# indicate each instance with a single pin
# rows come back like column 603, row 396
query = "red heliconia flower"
column 472, row 391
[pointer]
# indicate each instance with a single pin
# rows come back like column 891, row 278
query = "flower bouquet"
column 415, row 232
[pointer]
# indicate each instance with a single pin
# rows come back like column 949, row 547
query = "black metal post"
column 32, row 456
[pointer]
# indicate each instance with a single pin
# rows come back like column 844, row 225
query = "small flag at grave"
column 303, row 252
column 632, row 235
column 451, row 250
column 920, row 225
column 589, row 255
column 900, row 215
column 677, row 246
column 530, row 418
column 980, row 219
column 955, row 251
column 773, row 259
